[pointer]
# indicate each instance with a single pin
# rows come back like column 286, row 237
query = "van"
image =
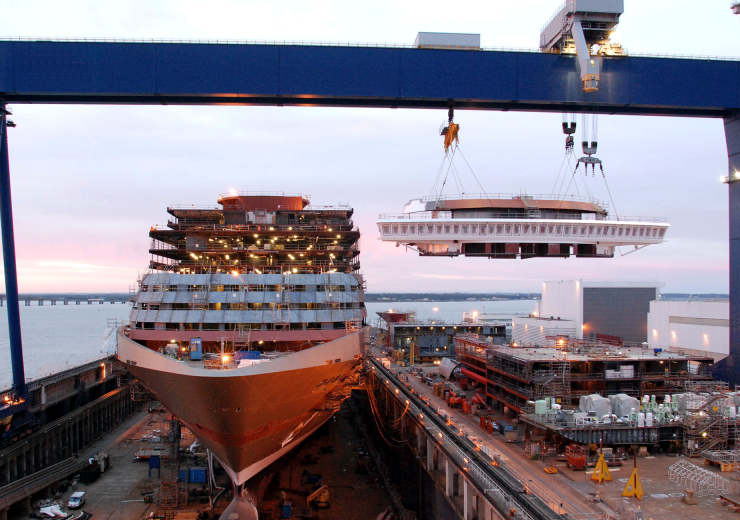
column 76, row 500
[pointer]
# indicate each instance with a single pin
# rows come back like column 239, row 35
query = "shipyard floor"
column 331, row 452
column 662, row 500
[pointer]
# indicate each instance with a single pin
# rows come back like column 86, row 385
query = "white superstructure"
column 516, row 226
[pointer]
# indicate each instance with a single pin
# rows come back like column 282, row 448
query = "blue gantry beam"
column 256, row 74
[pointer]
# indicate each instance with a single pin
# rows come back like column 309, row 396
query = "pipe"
column 11, row 274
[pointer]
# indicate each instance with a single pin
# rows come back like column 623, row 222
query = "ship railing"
column 446, row 215
column 157, row 245
column 512, row 196
column 285, row 266
column 342, row 206
column 235, row 193
column 194, row 208
column 262, row 228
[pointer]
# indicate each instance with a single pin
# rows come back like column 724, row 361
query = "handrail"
column 559, row 10
column 429, row 215
column 511, row 196
column 235, row 193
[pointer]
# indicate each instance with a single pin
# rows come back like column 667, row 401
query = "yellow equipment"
column 601, row 471
column 633, row 487
column 551, row 470
column 451, row 135
column 319, row 498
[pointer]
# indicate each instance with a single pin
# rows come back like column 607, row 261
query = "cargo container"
column 184, row 475
column 509, row 431
column 90, row 474
column 198, row 475
column 447, row 40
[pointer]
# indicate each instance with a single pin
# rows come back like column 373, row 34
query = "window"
column 566, row 230
column 464, row 230
column 517, row 229
column 404, row 229
column 421, row 230
column 412, row 230
column 386, row 229
column 395, row 230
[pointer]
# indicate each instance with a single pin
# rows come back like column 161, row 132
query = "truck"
column 77, row 500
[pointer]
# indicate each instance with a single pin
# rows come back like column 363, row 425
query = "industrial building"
column 695, row 327
column 589, row 309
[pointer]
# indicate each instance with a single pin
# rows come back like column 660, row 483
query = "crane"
column 577, row 27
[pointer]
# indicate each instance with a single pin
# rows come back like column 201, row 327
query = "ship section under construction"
column 250, row 324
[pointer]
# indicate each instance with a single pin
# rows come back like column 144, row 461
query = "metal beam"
column 344, row 76
column 11, row 276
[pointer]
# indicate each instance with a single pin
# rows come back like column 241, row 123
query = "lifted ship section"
column 516, row 226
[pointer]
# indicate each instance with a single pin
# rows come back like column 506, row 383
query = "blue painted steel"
column 249, row 74
column 198, row 475
column 11, row 276
column 728, row 369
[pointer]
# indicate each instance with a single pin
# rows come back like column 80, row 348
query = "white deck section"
column 445, row 235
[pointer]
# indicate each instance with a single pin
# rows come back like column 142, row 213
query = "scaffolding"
column 553, row 382
column 705, row 426
column 701, row 481
column 172, row 494
column 722, row 456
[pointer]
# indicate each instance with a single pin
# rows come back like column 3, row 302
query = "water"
column 57, row 337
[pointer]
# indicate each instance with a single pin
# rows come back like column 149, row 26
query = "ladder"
column 531, row 205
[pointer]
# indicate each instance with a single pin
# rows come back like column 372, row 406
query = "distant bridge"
column 67, row 300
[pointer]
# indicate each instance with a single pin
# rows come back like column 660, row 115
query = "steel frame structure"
column 197, row 73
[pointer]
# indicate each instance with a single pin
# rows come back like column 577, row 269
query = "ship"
column 249, row 325
column 517, row 226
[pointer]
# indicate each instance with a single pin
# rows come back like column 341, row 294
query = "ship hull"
column 249, row 417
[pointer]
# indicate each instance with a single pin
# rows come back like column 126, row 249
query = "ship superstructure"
column 249, row 325
column 511, row 226
column 261, row 268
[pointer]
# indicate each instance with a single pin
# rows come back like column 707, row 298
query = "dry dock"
column 569, row 494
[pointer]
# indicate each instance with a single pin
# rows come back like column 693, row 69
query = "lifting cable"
column 483, row 191
column 439, row 174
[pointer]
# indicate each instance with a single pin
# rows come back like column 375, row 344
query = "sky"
column 89, row 181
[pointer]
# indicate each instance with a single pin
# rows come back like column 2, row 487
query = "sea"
column 58, row 337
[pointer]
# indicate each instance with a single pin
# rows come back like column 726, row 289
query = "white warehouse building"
column 696, row 328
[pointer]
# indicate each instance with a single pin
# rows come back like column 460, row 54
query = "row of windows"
column 257, row 306
column 247, row 288
column 591, row 230
column 150, row 325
